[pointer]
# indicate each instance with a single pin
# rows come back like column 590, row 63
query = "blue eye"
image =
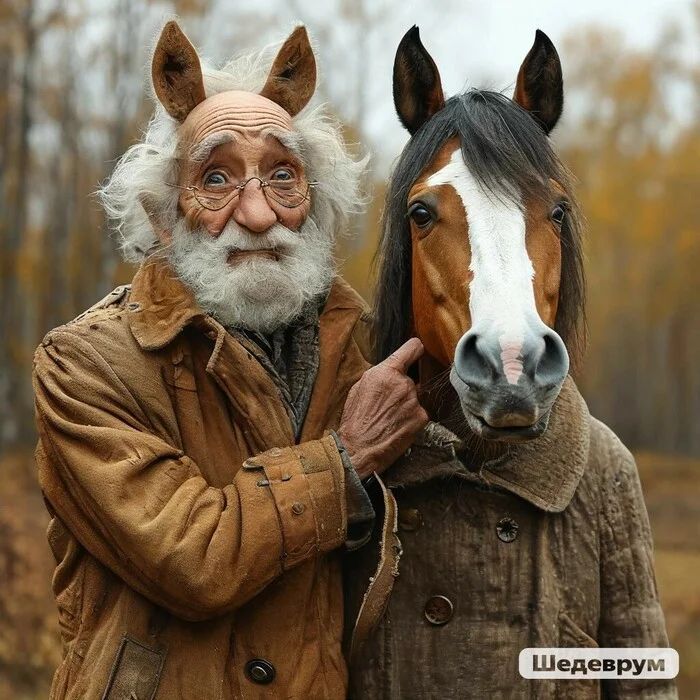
column 282, row 175
column 215, row 179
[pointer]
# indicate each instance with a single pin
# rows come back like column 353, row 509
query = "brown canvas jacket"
column 549, row 546
column 192, row 535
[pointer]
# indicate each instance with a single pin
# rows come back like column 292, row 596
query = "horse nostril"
column 553, row 364
column 472, row 365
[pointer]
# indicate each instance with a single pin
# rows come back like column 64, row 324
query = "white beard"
column 256, row 293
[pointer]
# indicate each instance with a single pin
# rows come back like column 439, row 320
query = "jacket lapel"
column 546, row 471
column 340, row 363
column 161, row 307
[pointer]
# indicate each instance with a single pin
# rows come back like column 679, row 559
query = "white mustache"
column 259, row 294
column 235, row 238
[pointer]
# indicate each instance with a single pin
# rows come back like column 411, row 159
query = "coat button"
column 298, row 508
column 439, row 610
column 507, row 529
column 260, row 671
column 410, row 519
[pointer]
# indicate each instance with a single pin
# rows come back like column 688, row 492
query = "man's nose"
column 253, row 210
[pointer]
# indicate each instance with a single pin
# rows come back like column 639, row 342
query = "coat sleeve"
column 142, row 508
column 631, row 615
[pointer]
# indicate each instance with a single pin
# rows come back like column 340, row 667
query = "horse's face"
column 485, row 293
column 486, row 268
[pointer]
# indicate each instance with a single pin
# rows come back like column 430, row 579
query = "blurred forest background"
column 72, row 99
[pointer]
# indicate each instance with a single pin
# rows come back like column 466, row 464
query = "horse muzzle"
column 507, row 384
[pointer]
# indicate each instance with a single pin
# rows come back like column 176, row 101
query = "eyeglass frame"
column 239, row 188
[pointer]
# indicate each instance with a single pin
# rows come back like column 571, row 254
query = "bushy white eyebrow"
column 199, row 152
column 289, row 139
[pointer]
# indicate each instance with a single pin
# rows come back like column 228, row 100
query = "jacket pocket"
column 571, row 635
column 136, row 671
column 575, row 688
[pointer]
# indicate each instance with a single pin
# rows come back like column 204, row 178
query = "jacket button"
column 410, row 519
column 298, row 508
column 439, row 610
column 507, row 529
column 260, row 671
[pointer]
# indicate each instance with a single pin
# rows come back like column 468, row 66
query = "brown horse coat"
column 191, row 534
column 549, row 546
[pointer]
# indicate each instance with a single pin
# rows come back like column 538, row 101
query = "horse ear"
column 292, row 79
column 418, row 91
column 540, row 86
column 177, row 73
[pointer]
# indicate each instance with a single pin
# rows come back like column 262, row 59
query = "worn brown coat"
column 548, row 546
column 191, row 534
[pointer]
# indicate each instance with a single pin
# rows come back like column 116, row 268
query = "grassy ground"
column 29, row 646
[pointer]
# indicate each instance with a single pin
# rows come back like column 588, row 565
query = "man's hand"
column 382, row 414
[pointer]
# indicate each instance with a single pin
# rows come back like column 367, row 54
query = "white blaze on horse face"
column 501, row 293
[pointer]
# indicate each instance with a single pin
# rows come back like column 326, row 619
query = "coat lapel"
column 340, row 363
column 546, row 471
column 161, row 307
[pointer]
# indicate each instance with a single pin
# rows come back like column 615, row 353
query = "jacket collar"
column 546, row 471
column 161, row 306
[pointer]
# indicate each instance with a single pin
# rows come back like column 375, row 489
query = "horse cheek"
column 544, row 249
column 438, row 311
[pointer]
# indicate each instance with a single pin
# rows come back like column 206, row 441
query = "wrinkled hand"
column 382, row 414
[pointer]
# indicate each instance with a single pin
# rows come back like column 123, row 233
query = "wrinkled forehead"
column 234, row 111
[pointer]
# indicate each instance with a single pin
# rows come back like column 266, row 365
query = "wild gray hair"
column 140, row 178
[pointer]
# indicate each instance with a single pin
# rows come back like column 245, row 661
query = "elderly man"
column 197, row 455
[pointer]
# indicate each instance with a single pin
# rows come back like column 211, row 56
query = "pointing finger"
column 402, row 358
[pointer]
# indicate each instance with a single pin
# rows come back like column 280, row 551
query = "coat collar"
column 545, row 471
column 161, row 306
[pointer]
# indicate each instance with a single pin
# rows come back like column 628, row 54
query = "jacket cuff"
column 307, row 483
column 360, row 513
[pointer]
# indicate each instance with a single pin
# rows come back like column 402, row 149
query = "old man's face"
column 244, row 241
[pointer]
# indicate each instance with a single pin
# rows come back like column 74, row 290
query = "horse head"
column 482, row 236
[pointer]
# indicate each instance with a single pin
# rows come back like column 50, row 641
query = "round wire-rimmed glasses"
column 287, row 193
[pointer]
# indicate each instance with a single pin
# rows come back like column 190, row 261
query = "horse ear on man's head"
column 418, row 93
column 292, row 79
column 177, row 73
column 178, row 83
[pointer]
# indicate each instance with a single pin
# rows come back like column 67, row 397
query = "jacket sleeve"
column 631, row 615
column 142, row 507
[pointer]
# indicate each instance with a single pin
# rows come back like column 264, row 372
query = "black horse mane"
column 506, row 151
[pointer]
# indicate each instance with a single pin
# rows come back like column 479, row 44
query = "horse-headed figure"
column 481, row 246
column 520, row 517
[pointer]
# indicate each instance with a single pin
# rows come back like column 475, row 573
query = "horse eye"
column 420, row 215
column 558, row 214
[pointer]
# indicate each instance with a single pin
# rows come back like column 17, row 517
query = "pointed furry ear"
column 540, row 85
column 177, row 73
column 418, row 91
column 292, row 79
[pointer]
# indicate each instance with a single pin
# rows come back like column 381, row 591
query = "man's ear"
column 418, row 91
column 292, row 79
column 177, row 73
column 540, row 85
